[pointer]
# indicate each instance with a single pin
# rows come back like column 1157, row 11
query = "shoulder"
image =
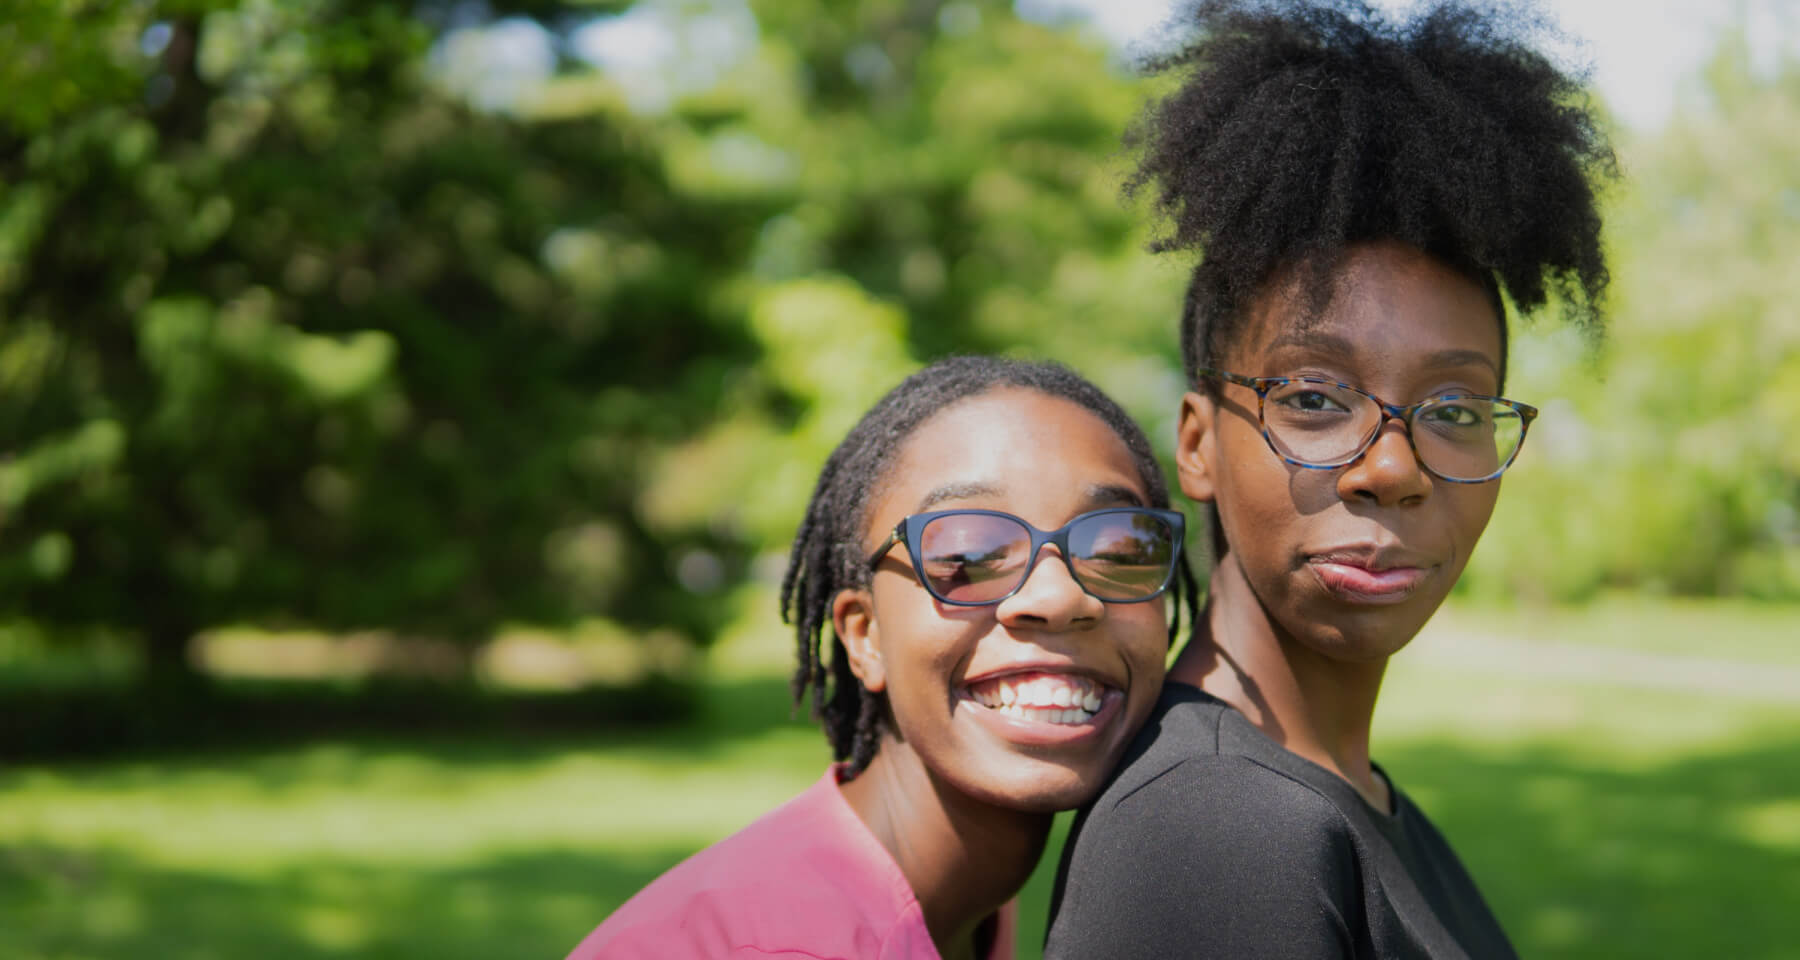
column 1225, row 809
column 1197, row 760
column 806, row 881
column 1203, row 848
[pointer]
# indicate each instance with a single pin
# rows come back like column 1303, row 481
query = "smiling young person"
column 1361, row 192
column 991, row 546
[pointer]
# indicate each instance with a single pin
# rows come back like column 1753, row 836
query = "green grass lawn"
column 1607, row 812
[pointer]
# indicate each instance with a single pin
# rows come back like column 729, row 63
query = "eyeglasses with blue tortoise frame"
column 1322, row 424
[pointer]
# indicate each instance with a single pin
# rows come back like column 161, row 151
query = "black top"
column 1212, row 840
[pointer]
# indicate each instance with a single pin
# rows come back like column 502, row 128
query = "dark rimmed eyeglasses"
column 971, row 558
column 1322, row 424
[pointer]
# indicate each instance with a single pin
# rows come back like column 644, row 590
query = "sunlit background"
column 405, row 411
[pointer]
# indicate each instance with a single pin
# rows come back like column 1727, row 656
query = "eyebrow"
column 1101, row 494
column 1312, row 340
column 1096, row 495
column 955, row 491
column 1461, row 358
column 1332, row 343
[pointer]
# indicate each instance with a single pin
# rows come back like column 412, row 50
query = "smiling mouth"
column 1055, row 698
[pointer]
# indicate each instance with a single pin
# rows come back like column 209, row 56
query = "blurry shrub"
column 353, row 317
column 334, row 316
column 1672, row 462
column 293, row 336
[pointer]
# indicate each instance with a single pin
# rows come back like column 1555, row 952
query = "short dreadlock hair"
column 828, row 554
column 1303, row 128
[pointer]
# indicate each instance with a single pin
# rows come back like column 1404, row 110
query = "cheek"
column 1472, row 506
column 922, row 645
column 1260, row 492
column 1146, row 657
column 1143, row 632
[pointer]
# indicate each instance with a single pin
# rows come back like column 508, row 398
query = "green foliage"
column 1601, row 817
column 311, row 314
column 953, row 188
column 1670, row 462
column 293, row 334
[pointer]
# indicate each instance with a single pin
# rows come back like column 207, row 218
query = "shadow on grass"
column 532, row 904
column 116, row 721
column 1700, row 857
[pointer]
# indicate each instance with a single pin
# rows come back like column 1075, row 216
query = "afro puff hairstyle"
column 829, row 554
column 1302, row 129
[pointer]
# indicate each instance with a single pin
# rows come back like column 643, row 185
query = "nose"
column 1388, row 473
column 1050, row 599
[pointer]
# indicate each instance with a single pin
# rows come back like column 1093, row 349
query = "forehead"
column 1010, row 448
column 1390, row 305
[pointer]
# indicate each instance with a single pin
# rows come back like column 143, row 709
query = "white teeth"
column 1059, row 698
column 1069, row 716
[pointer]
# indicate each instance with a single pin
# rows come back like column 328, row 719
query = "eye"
column 1454, row 414
column 968, row 567
column 989, row 559
column 1311, row 401
column 1122, row 550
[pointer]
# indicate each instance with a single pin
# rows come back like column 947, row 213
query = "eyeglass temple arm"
column 895, row 537
column 1236, row 378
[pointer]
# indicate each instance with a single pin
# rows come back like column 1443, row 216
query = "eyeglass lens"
column 980, row 558
column 1324, row 424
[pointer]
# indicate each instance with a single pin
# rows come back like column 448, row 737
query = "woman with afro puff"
column 1365, row 195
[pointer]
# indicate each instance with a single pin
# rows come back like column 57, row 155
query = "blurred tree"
column 434, row 316
column 952, row 178
column 312, row 314
column 291, row 335
column 1673, row 464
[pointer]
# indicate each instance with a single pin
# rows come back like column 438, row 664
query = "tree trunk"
column 169, row 674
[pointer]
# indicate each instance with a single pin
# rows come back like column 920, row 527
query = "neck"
column 963, row 857
column 1313, row 705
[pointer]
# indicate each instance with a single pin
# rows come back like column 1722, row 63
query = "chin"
column 1050, row 790
column 1365, row 643
column 1366, row 635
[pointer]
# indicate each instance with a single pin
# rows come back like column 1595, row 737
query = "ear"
column 853, row 618
column 1196, row 448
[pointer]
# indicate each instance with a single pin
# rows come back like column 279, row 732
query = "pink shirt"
column 808, row 881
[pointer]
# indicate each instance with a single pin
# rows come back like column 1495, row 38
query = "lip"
column 1033, row 733
column 1370, row 574
column 1041, row 666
